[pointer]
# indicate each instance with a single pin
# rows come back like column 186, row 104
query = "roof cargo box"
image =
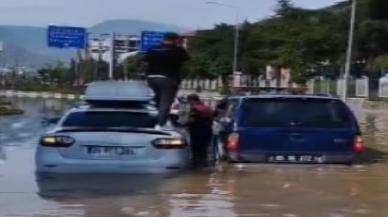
column 118, row 91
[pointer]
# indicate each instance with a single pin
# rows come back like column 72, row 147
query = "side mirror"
column 50, row 121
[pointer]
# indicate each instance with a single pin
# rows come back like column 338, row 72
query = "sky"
column 190, row 14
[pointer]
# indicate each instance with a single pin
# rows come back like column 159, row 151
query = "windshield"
column 308, row 113
column 109, row 119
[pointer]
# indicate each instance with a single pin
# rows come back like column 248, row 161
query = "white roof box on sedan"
column 130, row 91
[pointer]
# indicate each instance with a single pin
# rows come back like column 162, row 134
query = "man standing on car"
column 164, row 73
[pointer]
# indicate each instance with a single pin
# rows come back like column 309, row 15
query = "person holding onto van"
column 164, row 73
column 200, row 129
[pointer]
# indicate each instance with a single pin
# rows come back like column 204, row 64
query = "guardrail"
column 362, row 87
column 356, row 87
column 44, row 95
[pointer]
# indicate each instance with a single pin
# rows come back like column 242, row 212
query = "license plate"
column 109, row 151
column 295, row 159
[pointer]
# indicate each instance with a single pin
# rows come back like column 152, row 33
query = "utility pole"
column 112, row 57
column 1, row 72
column 349, row 51
column 236, row 42
column 125, row 69
column 236, row 34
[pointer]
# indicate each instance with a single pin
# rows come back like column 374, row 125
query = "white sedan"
column 101, row 139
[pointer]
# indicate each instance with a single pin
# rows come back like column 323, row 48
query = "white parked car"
column 114, row 133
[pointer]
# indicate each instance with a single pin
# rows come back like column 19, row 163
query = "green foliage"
column 378, row 9
column 54, row 73
column 6, row 108
column 372, row 38
column 380, row 62
column 296, row 38
column 212, row 52
column 129, row 68
column 284, row 7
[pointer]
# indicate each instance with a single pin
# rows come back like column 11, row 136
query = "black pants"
column 200, row 136
column 165, row 91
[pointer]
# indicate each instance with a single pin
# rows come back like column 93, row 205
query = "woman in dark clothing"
column 200, row 129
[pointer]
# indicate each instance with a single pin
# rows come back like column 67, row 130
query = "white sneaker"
column 169, row 124
column 168, row 127
column 158, row 127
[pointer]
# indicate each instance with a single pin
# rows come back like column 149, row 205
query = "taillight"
column 233, row 142
column 57, row 141
column 169, row 143
column 358, row 145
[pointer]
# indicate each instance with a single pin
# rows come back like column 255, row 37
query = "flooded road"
column 261, row 190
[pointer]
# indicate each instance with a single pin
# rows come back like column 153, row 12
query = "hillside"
column 131, row 27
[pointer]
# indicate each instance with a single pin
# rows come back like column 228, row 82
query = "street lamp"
column 349, row 52
column 237, row 32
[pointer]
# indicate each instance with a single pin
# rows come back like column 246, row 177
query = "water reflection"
column 203, row 195
column 122, row 195
column 23, row 130
column 75, row 185
column 39, row 107
column 112, row 195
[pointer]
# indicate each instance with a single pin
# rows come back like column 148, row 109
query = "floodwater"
column 227, row 191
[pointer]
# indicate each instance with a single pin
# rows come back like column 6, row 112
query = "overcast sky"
column 185, row 13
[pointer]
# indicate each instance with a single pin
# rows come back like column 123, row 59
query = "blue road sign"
column 66, row 37
column 150, row 39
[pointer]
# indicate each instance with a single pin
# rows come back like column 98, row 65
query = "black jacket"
column 166, row 60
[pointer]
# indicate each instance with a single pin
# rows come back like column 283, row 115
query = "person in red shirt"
column 200, row 129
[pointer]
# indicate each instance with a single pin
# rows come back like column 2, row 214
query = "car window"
column 109, row 119
column 309, row 113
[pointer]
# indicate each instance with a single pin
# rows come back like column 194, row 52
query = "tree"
column 212, row 52
column 372, row 39
column 379, row 63
column 87, row 70
column 296, row 38
column 378, row 9
column 72, row 73
column 132, row 67
column 284, row 7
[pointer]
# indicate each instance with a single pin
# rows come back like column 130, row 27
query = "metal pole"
column 236, row 43
column 127, row 45
column 112, row 57
column 349, row 52
column 237, row 32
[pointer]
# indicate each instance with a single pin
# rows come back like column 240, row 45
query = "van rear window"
column 295, row 112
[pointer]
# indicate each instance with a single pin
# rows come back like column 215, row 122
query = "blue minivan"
column 290, row 129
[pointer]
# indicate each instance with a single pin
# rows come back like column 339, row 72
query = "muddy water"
column 261, row 190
